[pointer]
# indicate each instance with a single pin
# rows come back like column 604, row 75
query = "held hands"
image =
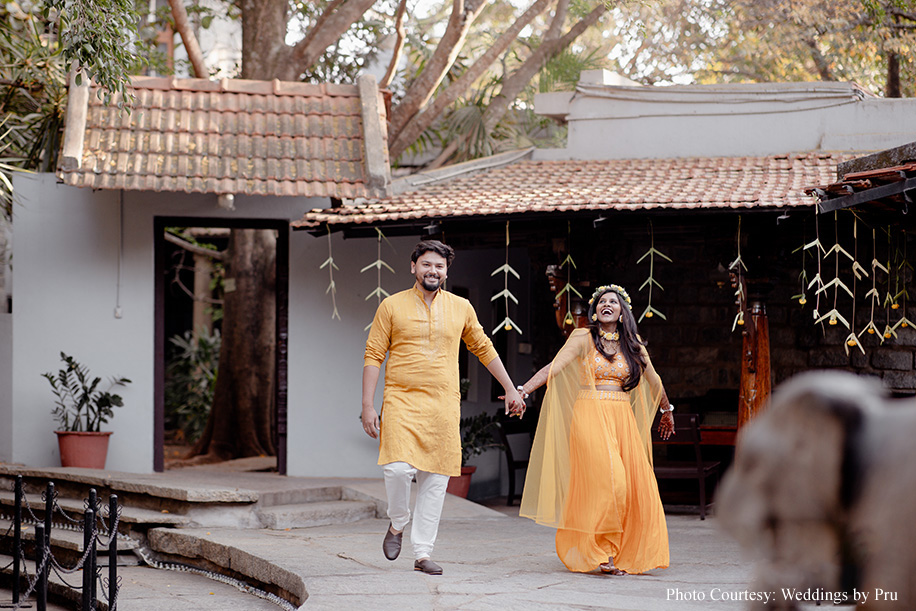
column 515, row 403
column 370, row 422
column 666, row 426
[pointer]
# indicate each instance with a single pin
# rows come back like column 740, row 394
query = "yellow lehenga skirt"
column 612, row 507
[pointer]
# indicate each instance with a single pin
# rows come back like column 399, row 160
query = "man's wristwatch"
column 664, row 411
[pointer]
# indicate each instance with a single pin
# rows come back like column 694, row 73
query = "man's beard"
column 431, row 283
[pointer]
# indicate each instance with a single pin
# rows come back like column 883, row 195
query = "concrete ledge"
column 191, row 546
column 151, row 484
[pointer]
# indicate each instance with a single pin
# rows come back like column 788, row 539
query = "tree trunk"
column 242, row 418
column 243, row 414
column 265, row 54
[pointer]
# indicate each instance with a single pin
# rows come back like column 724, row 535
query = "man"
column 420, row 329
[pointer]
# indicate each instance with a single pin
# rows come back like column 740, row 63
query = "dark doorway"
column 164, row 271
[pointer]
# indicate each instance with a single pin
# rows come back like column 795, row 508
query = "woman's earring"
column 594, row 317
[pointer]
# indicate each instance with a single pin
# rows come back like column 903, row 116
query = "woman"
column 590, row 472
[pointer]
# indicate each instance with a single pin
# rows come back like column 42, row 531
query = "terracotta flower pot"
column 83, row 449
column 459, row 484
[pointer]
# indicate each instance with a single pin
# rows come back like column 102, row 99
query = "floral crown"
column 611, row 287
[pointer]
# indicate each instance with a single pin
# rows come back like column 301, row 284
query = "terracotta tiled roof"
column 231, row 136
column 623, row 184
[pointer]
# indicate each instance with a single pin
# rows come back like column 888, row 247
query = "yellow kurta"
column 421, row 407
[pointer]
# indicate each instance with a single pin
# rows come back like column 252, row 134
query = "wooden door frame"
column 282, row 347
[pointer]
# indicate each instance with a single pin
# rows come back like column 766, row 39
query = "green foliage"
column 190, row 380
column 562, row 71
column 39, row 39
column 477, row 435
column 97, row 36
column 80, row 405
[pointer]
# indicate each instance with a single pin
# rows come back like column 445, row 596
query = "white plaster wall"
column 66, row 264
column 66, row 252
column 722, row 121
column 6, row 386
column 326, row 355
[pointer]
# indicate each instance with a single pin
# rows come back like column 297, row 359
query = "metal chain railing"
column 96, row 532
column 92, row 528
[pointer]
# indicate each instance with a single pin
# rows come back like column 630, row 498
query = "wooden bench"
column 687, row 433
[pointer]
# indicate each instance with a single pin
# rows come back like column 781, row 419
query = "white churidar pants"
column 427, row 510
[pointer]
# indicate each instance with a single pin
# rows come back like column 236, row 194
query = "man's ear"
column 413, row 268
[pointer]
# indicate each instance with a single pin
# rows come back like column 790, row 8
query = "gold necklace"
column 612, row 337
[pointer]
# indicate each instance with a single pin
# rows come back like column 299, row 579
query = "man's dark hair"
column 443, row 250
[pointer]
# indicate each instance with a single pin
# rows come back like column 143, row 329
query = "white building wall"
column 326, row 355
column 6, row 386
column 66, row 253
column 625, row 122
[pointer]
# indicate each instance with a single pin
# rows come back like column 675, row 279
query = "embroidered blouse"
column 612, row 372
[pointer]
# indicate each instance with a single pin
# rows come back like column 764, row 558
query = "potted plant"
column 80, row 410
column 476, row 437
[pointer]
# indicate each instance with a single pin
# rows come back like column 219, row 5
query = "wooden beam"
column 881, row 159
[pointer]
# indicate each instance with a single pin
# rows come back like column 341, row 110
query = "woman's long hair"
column 630, row 342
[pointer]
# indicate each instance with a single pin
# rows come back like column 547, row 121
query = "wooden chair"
column 513, row 427
column 686, row 433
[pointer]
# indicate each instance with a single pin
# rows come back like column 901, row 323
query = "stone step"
column 322, row 513
column 149, row 491
column 74, row 507
column 58, row 589
column 65, row 539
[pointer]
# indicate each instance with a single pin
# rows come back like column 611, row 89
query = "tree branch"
column 398, row 45
column 183, row 27
column 423, row 87
column 820, row 62
column 422, row 120
column 306, row 53
column 194, row 248
column 319, row 23
column 516, row 82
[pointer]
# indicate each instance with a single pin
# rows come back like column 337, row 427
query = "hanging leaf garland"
column 737, row 269
column 507, row 324
column 819, row 252
column 888, row 299
column 332, row 288
column 651, row 281
column 803, row 275
column 858, row 273
column 902, row 267
column 873, row 294
column 378, row 264
column 570, row 265
column 834, row 316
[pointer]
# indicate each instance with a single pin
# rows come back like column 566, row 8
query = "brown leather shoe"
column 427, row 566
column 391, row 544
